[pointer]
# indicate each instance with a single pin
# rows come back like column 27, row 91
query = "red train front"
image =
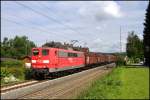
column 46, row 60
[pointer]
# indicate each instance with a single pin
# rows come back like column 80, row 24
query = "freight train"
column 46, row 60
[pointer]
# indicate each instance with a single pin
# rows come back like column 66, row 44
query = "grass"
column 122, row 83
column 135, row 83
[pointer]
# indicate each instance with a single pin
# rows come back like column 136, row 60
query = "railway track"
column 18, row 85
column 63, row 91
column 56, row 88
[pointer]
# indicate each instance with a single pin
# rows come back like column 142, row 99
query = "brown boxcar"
column 101, row 58
column 90, row 58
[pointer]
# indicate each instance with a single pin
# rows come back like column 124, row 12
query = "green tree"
column 5, row 47
column 17, row 47
column 134, row 46
column 146, row 36
column 2, row 53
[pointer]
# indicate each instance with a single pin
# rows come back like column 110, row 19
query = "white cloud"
column 113, row 9
column 95, row 22
column 98, row 27
column 100, row 10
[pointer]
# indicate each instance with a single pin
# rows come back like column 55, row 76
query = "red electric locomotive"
column 46, row 60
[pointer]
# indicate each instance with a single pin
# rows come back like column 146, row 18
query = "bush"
column 18, row 72
column 9, row 79
column 120, row 61
column 16, row 69
column 11, row 63
column 4, row 73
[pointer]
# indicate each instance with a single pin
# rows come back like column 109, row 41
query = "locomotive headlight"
column 45, row 61
column 33, row 61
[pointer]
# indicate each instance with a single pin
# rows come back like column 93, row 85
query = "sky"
column 95, row 24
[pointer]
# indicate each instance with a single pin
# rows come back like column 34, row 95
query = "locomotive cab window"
column 35, row 52
column 45, row 52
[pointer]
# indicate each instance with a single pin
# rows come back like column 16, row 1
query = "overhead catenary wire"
column 41, row 29
column 59, row 22
column 48, row 17
column 34, row 28
column 51, row 11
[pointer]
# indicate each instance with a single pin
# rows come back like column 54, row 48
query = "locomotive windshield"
column 45, row 52
column 35, row 52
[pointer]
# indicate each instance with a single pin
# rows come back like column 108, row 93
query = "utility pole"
column 120, row 41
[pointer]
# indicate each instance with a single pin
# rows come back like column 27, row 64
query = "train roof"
column 58, row 49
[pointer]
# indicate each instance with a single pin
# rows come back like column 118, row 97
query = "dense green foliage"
column 146, row 36
column 134, row 47
column 15, row 68
column 4, row 73
column 120, row 61
column 122, row 83
column 11, row 63
column 17, row 72
column 17, row 47
column 120, row 58
column 20, row 73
